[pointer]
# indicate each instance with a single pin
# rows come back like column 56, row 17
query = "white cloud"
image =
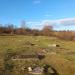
column 66, row 21
column 33, row 22
column 47, row 15
column 36, row 2
column 55, row 23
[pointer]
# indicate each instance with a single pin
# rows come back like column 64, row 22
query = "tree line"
column 22, row 30
column 46, row 31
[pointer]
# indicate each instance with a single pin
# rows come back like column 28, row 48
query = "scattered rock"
column 29, row 69
column 53, row 45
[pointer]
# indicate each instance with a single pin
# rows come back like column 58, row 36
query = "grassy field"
column 62, row 58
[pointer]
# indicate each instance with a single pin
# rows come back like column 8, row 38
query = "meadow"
column 62, row 58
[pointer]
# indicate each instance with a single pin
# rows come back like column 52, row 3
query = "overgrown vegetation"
column 10, row 29
column 61, row 58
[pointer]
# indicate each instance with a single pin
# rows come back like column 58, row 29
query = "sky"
column 37, row 13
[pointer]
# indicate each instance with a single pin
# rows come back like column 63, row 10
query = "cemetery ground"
column 24, row 51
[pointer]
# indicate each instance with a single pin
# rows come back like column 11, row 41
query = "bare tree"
column 23, row 24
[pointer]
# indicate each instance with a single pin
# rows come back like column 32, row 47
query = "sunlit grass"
column 62, row 61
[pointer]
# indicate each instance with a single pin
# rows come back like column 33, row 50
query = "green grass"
column 63, row 62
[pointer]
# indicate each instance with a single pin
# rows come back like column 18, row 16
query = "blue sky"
column 37, row 12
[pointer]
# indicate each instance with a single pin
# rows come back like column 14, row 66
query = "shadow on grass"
column 49, row 70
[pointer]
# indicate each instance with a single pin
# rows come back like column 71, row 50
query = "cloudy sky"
column 37, row 13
